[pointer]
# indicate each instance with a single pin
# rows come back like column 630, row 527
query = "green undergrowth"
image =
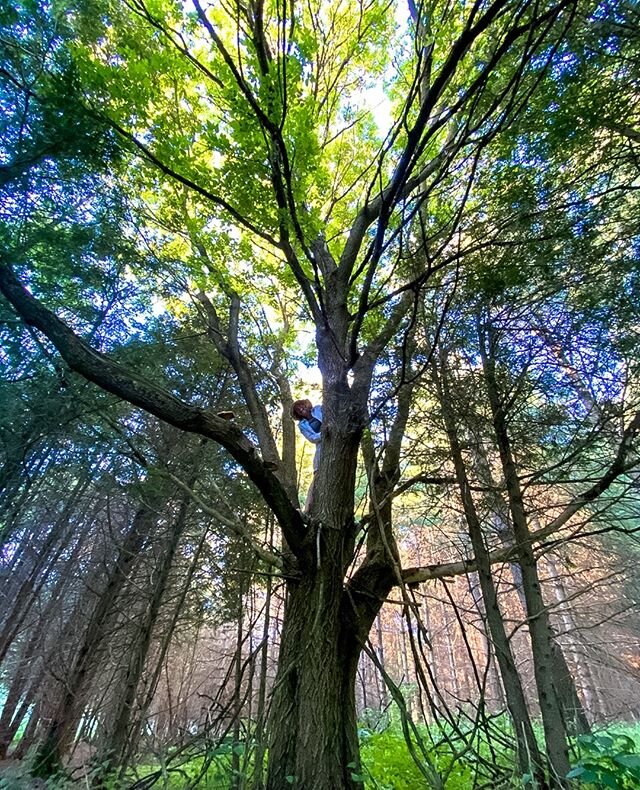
column 387, row 765
column 607, row 758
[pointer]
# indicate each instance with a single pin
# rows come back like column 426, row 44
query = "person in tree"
column 309, row 419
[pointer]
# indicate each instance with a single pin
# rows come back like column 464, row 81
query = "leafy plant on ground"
column 607, row 760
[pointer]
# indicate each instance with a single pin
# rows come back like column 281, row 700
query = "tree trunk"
column 313, row 738
column 62, row 726
column 313, row 727
column 563, row 680
column 574, row 711
column 539, row 627
column 529, row 757
column 29, row 735
column 382, row 689
column 237, row 780
column 495, row 682
column 118, row 731
column 259, row 735
column 23, row 598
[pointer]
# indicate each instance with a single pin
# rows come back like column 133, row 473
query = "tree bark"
column 259, row 734
column 313, row 728
column 61, row 729
column 117, row 736
column 572, row 707
column 313, row 735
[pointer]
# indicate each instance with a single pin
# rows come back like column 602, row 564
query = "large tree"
column 257, row 176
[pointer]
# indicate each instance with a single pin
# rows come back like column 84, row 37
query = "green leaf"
column 584, row 773
column 628, row 760
column 609, row 779
column 625, row 743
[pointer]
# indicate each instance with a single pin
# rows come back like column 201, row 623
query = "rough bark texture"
column 117, row 734
column 313, row 732
column 62, row 726
column 572, row 708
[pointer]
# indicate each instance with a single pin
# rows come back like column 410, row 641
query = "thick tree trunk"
column 313, row 730
column 313, row 734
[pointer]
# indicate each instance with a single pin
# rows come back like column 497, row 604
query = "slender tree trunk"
column 22, row 686
column 529, row 757
column 237, row 779
column 62, row 727
column 380, row 652
column 572, row 707
column 494, row 676
column 538, row 616
column 30, row 590
column 118, row 735
column 29, row 735
column 159, row 659
column 575, row 712
column 20, row 693
column 261, row 712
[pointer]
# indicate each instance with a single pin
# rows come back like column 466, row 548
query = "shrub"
column 607, row 760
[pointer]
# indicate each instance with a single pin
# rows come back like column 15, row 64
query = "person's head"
column 301, row 409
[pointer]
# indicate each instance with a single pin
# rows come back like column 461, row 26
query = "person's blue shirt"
column 310, row 429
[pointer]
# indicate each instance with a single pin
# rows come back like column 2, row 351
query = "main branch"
column 139, row 391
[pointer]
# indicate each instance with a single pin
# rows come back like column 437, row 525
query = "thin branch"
column 228, row 521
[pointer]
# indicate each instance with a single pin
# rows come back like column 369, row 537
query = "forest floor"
column 12, row 777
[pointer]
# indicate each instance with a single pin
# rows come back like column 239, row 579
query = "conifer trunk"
column 542, row 644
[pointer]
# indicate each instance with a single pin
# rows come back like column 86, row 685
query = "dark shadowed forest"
column 320, row 394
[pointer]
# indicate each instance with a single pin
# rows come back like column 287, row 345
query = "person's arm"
column 307, row 431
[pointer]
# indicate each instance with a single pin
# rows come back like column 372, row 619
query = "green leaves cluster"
column 607, row 760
